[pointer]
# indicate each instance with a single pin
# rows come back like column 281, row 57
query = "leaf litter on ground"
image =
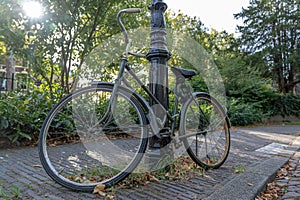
column 275, row 190
column 181, row 170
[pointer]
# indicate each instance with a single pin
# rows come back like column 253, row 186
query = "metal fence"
column 7, row 84
column 13, row 80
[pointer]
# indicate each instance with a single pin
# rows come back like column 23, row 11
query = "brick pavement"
column 21, row 173
column 292, row 181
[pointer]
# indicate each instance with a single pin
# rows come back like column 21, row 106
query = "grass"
column 16, row 192
column 280, row 123
column 3, row 194
column 183, row 168
column 269, row 124
column 291, row 123
column 13, row 194
column 91, row 175
column 239, row 169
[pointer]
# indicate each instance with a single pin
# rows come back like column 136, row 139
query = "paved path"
column 291, row 183
column 21, row 173
column 293, row 186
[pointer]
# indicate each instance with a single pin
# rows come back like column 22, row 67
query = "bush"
column 283, row 105
column 22, row 114
column 241, row 114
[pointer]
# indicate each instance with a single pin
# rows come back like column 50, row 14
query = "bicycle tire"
column 80, row 147
column 203, row 115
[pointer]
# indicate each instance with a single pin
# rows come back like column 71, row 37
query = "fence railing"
column 7, row 84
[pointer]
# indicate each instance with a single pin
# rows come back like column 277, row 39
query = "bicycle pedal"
column 154, row 142
column 165, row 132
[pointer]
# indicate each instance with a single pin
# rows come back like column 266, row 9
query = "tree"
column 56, row 45
column 11, row 33
column 272, row 29
column 11, row 37
column 65, row 35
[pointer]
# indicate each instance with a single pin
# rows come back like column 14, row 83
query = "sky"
column 217, row 14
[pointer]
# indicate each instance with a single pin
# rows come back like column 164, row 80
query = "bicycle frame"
column 153, row 121
column 152, row 118
column 120, row 78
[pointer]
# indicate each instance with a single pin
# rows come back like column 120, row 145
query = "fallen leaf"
column 186, row 167
column 102, row 194
column 99, row 189
column 110, row 197
column 153, row 179
column 38, row 166
column 145, row 183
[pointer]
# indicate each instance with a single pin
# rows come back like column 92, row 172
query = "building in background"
column 16, row 79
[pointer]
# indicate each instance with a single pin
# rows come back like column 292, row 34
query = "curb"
column 248, row 185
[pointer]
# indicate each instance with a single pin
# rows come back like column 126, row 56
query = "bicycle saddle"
column 186, row 73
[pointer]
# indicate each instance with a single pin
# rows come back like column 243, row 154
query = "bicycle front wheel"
column 204, row 127
column 84, row 142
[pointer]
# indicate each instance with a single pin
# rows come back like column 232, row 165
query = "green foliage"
column 251, row 97
column 239, row 169
column 12, row 193
column 56, row 47
column 271, row 30
column 241, row 113
column 198, row 84
column 251, row 109
column 67, row 33
column 247, row 76
column 283, row 105
column 22, row 114
column 11, row 33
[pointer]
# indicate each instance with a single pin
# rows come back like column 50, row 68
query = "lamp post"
column 158, row 57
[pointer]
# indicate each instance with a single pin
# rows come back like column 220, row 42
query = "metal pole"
column 158, row 57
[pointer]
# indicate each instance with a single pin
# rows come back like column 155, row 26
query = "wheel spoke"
column 204, row 130
column 83, row 144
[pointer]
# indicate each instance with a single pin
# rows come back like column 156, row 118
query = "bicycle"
column 101, row 132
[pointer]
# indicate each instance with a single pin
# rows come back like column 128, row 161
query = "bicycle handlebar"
column 132, row 10
column 128, row 10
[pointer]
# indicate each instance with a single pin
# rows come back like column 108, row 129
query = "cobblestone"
column 293, row 183
column 20, row 168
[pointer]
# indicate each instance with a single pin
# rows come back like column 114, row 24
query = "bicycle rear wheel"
column 84, row 142
column 204, row 126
